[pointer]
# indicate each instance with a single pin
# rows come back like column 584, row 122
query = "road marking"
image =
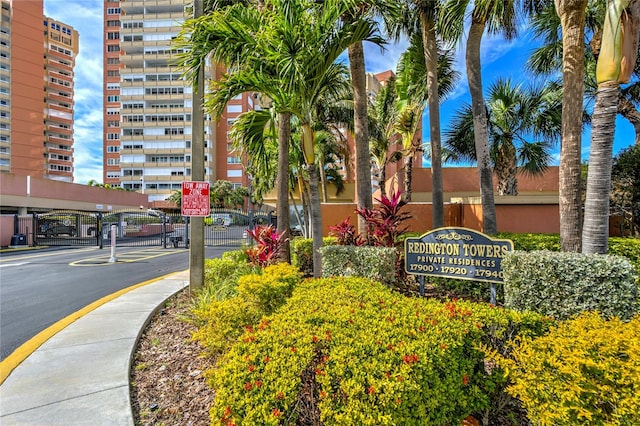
column 49, row 253
column 27, row 348
column 125, row 257
column 12, row 264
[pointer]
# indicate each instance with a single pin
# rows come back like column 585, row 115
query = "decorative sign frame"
column 454, row 252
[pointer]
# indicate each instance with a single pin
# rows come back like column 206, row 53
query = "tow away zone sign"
column 195, row 199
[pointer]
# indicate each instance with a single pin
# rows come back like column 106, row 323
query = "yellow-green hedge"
column 584, row 372
column 349, row 351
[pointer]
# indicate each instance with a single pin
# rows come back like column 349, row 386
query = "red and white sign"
column 195, row 199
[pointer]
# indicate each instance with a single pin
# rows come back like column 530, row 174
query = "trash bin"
column 18, row 240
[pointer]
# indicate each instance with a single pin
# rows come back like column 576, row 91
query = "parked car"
column 53, row 228
column 221, row 219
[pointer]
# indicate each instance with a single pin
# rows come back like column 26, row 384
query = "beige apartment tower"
column 37, row 56
column 148, row 105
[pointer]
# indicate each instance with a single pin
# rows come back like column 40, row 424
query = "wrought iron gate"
column 133, row 228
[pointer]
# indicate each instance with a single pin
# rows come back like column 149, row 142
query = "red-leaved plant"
column 346, row 234
column 268, row 244
column 384, row 222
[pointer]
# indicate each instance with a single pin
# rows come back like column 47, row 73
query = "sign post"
column 461, row 253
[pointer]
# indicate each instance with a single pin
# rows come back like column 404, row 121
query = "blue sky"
column 499, row 59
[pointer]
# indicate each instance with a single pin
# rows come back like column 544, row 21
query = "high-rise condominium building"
column 148, row 105
column 37, row 56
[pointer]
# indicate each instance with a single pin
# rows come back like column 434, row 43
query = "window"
column 113, row 161
column 113, row 123
column 113, row 98
column 174, row 131
column 113, row 136
column 133, row 132
column 113, row 73
column 113, row 61
column 113, row 23
column 113, row 86
column 113, row 11
column 113, row 48
column 233, row 160
column 113, row 36
column 113, row 149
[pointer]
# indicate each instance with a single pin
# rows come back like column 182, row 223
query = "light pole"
column 142, row 183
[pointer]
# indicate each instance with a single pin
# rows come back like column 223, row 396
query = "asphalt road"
column 40, row 287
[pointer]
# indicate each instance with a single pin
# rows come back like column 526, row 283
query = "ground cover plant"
column 351, row 351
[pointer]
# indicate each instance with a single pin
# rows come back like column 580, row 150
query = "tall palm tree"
column 382, row 116
column 548, row 59
column 363, row 10
column 419, row 18
column 617, row 57
column 228, row 36
column 495, row 16
column 572, row 19
column 515, row 116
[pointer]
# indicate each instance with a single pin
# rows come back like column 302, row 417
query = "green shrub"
column 375, row 263
column 238, row 256
column 221, row 278
column 220, row 323
column 531, row 242
column 565, row 284
column 584, row 372
column 302, row 256
column 627, row 247
column 351, row 351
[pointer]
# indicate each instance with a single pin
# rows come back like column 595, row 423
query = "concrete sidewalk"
column 80, row 376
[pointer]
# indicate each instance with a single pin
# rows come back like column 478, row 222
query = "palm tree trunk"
column 481, row 135
column 572, row 17
column 507, row 170
column 431, row 60
column 314, row 199
column 316, row 220
column 323, row 183
column 382, row 179
column 363, row 156
column 282, row 183
column 408, row 175
column 595, row 234
column 629, row 111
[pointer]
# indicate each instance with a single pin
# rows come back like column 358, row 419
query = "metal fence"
column 133, row 228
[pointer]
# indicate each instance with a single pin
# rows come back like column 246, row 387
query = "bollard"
column 113, row 259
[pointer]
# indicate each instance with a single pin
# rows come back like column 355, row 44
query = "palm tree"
column 617, row 57
column 572, row 19
column 495, row 16
column 514, row 116
column 363, row 10
column 227, row 35
column 382, row 117
column 547, row 59
column 418, row 18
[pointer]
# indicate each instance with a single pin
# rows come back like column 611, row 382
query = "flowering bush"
column 350, row 351
column 584, row 372
column 268, row 245
column 220, row 323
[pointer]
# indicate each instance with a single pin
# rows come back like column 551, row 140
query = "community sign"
column 457, row 253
